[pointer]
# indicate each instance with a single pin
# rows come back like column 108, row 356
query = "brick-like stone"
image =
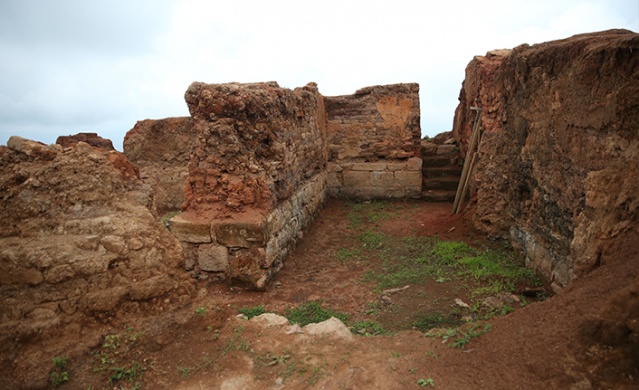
column 241, row 234
column 190, row 230
column 408, row 178
column 213, row 257
column 357, row 179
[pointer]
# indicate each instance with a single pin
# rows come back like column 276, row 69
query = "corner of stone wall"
column 248, row 248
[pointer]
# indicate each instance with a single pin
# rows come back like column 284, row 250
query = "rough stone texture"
column 256, row 177
column 162, row 150
column 79, row 239
column 374, row 143
column 560, row 152
column 92, row 139
column 256, row 144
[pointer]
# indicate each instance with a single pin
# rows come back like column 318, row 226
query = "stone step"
column 438, row 196
column 437, row 161
column 448, row 183
column 449, row 170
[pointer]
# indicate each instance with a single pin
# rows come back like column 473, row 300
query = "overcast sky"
column 69, row 66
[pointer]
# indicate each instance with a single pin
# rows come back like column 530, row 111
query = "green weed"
column 58, row 376
column 426, row 382
column 312, row 312
column 345, row 255
column 253, row 311
column 368, row 328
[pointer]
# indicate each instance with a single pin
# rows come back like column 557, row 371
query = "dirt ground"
column 575, row 340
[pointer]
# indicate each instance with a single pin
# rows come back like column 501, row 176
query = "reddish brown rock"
column 256, row 144
column 79, row 242
column 161, row 149
column 92, row 139
column 560, row 150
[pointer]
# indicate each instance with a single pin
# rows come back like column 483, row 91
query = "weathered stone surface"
column 79, row 238
column 92, row 139
column 242, row 235
column 162, row 149
column 369, row 134
column 191, row 228
column 256, row 144
column 213, row 257
column 560, row 150
column 331, row 328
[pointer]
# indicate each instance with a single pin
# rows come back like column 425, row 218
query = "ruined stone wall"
column 374, row 143
column 161, row 149
column 256, row 177
column 256, row 144
column 258, row 166
column 560, row 153
column 80, row 241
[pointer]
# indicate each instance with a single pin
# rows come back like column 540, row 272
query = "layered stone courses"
column 264, row 158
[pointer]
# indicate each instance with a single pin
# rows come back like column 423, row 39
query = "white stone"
column 332, row 327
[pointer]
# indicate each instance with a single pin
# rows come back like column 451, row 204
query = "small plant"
column 253, row 311
column 431, row 353
column 426, row 382
column 312, row 312
column 167, row 217
column 465, row 337
column 111, row 354
column 368, row 328
column 58, row 376
column 201, row 310
column 206, row 362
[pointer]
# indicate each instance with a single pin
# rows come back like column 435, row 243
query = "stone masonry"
column 374, row 143
column 264, row 158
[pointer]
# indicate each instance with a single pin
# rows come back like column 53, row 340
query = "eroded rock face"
column 256, row 144
column 162, row 149
column 560, row 152
column 79, row 240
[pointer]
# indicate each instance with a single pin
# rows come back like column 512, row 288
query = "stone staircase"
column 441, row 169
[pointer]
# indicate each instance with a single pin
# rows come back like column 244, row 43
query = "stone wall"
column 256, row 177
column 255, row 158
column 374, row 143
column 80, row 242
column 560, row 152
column 161, row 149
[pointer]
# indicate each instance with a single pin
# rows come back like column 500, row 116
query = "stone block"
column 190, row 230
column 241, row 234
column 334, row 179
column 408, row 178
column 377, row 166
column 382, row 179
column 213, row 257
column 414, row 164
column 357, row 179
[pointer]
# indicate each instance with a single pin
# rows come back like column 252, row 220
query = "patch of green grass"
column 368, row 328
column 312, row 312
column 345, row 255
column 253, row 311
column 428, row 321
column 372, row 240
column 449, row 252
